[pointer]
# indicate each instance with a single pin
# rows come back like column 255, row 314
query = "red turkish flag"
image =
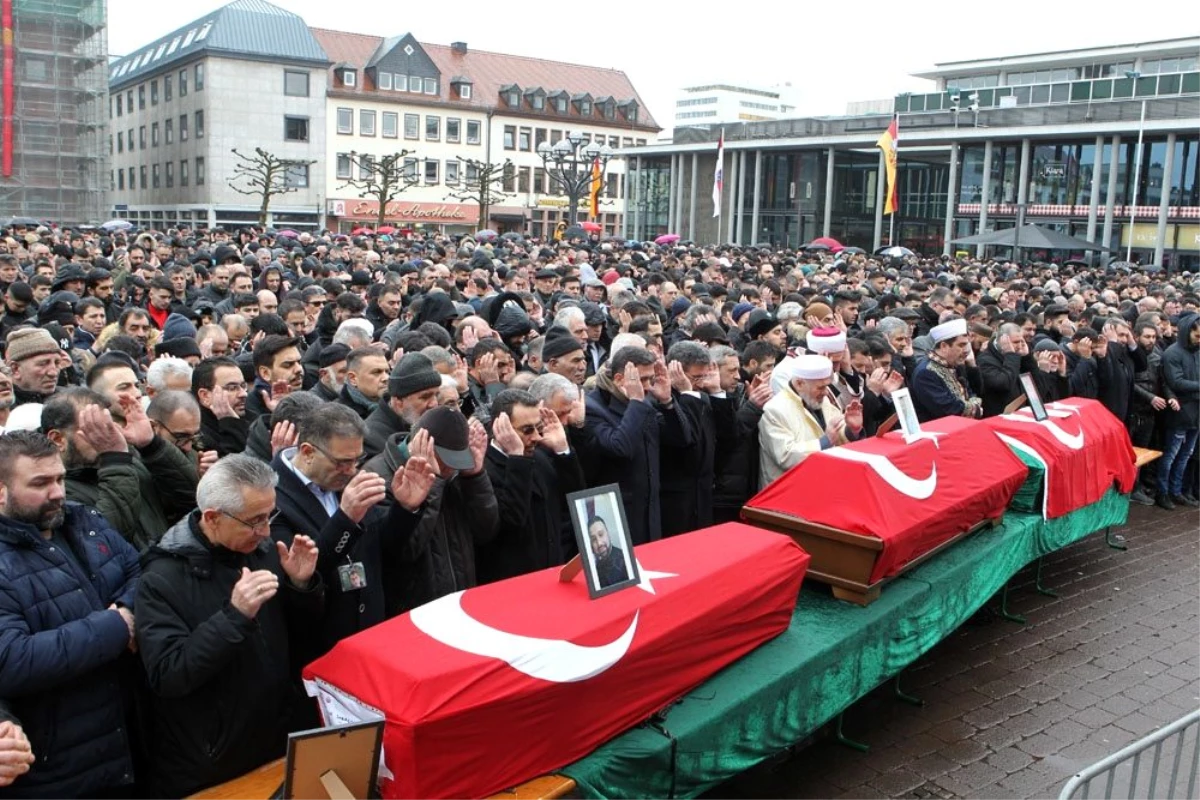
column 1084, row 447
column 912, row 495
column 487, row 688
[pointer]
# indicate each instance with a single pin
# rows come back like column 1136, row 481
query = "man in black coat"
column 1117, row 359
column 1001, row 362
column 323, row 495
column 221, row 612
column 532, row 468
column 412, row 389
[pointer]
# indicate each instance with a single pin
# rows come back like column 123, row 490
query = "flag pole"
column 721, row 171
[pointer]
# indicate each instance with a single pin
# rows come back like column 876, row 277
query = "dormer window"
column 464, row 91
column 629, row 109
column 349, row 77
column 460, row 87
column 511, row 94
column 607, row 107
column 537, row 98
column 561, row 102
column 583, row 104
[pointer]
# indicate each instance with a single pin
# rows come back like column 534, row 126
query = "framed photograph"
column 906, row 412
column 602, row 534
column 351, row 752
column 1031, row 394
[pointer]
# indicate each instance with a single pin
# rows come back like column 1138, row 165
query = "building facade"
column 249, row 75
column 53, row 157
column 1102, row 144
column 446, row 112
column 720, row 103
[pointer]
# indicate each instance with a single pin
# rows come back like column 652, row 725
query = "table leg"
column 842, row 738
column 907, row 698
column 1038, row 582
column 1116, row 542
column 1004, row 612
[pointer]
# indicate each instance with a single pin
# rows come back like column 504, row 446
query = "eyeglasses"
column 529, row 430
column 257, row 525
column 340, row 463
column 181, row 439
column 317, row 303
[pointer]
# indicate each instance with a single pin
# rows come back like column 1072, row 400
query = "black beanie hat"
column 413, row 373
column 558, row 343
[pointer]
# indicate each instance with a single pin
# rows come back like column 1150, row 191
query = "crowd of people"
column 225, row 451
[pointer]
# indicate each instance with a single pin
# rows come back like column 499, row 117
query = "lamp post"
column 571, row 167
column 1137, row 166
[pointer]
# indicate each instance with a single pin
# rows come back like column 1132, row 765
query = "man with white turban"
column 801, row 418
column 938, row 390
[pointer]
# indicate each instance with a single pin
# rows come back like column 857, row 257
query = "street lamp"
column 571, row 168
column 1137, row 166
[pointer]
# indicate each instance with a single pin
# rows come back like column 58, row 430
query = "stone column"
column 1164, row 203
column 951, row 202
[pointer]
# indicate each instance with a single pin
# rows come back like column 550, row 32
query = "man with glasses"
column 221, row 390
column 322, row 494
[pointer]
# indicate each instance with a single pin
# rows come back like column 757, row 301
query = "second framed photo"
column 602, row 534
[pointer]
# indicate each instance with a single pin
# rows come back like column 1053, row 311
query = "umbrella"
column 667, row 238
column 1033, row 237
column 1075, row 262
column 116, row 225
column 591, row 227
column 362, row 231
column 485, row 235
column 894, row 251
column 614, row 239
column 574, row 232
column 289, row 233
column 814, row 247
column 386, row 229
column 830, row 242
column 514, row 236
column 852, row 251
column 25, row 222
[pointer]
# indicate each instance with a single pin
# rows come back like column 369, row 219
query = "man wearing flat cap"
column 938, row 388
column 801, row 418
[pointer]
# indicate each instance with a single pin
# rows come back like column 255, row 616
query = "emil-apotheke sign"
column 400, row 211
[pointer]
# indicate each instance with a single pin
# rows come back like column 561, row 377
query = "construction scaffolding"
column 53, row 140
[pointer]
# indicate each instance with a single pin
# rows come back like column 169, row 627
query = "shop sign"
column 401, row 211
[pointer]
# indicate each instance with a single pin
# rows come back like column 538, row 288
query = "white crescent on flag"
column 1073, row 441
column 893, row 475
column 553, row 660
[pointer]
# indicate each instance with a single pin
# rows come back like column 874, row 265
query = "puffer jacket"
column 458, row 515
column 63, row 651
column 736, row 460
column 225, row 689
column 1181, row 375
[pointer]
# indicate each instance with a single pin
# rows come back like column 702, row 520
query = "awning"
column 508, row 217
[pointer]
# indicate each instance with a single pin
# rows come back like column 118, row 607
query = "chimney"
column 458, row 48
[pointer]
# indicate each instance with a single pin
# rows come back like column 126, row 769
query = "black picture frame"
column 351, row 750
column 1033, row 397
column 603, row 503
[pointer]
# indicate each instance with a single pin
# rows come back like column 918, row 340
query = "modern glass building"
column 1102, row 144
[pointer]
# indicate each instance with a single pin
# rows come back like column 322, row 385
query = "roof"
column 247, row 28
column 488, row 72
column 1083, row 55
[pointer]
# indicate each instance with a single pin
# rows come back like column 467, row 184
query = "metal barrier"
column 1169, row 745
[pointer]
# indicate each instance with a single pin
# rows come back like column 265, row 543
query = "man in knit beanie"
column 563, row 355
column 35, row 360
column 412, row 390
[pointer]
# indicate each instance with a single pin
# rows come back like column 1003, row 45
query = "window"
column 343, row 166
column 200, row 171
column 170, row 174
column 512, row 98
column 142, row 137
column 132, row 180
column 183, row 130
column 610, row 185
column 614, row 142
column 391, row 124
column 199, row 77
column 510, row 175
column 510, row 137
column 472, row 173
column 431, row 86
column 154, row 134
column 523, row 180
column 415, row 83
column 154, row 92
column 296, row 176
column 366, row 123
column 385, row 80
column 539, row 136
column 35, row 69
column 473, row 131
column 433, row 128
column 464, row 91
column 132, row 147
column 183, row 82
column 400, row 83
column 412, row 126
column 366, row 167
column 610, row 110
column 538, row 101
column 121, row 179
column 200, row 124
column 169, row 131
column 142, row 97
column 453, row 129
column 129, row 100
column 560, row 104
column 183, row 173
column 142, row 176
column 295, row 83
column 295, row 129
column 539, row 180
column 154, row 178
column 345, row 120
column 451, row 173
column 525, row 139
column 585, row 108
column 120, row 141
column 431, row 170
column 120, row 104
column 555, row 135
column 410, row 170
column 349, row 77
column 166, row 88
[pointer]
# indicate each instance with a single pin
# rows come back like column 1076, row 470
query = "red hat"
column 611, row 277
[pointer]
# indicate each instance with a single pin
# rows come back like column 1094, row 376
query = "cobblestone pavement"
column 1015, row 710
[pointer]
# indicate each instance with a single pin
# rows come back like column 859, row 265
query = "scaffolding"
column 60, row 112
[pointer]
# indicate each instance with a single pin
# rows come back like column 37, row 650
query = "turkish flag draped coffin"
column 1084, row 447
column 487, row 688
column 911, row 495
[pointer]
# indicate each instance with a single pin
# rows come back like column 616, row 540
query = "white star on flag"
column 645, row 576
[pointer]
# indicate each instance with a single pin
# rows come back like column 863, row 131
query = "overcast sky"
column 831, row 52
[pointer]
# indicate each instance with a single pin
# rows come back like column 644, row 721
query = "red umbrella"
column 833, row 244
column 591, row 227
column 361, row 231
column 386, row 229
column 667, row 238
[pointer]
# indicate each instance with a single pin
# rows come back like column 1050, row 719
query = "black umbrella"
column 1075, row 262
column 575, row 232
column 853, row 250
column 27, row 222
column 514, row 235
column 813, row 247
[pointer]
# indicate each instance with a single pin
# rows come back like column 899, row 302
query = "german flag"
column 889, row 142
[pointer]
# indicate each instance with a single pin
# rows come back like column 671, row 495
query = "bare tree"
column 482, row 183
column 264, row 175
column 381, row 178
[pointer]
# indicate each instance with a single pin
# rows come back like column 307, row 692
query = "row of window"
column 528, row 139
column 126, row 140
column 122, row 102
column 137, row 176
column 697, row 101
column 695, row 114
column 389, row 127
column 1062, row 74
column 429, row 172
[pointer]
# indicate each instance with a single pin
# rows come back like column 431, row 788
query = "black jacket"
column 688, row 471
column 348, row 400
column 382, row 424
column 258, row 440
column 1115, row 372
column 458, row 515
column 384, row 531
column 535, row 529
column 1081, row 375
column 1181, row 375
column 1000, row 375
column 1147, row 385
column 736, row 460
column 324, row 392
column 63, row 650
column 225, row 693
column 226, row 435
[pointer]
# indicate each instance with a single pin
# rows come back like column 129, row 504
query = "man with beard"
column 135, row 322
column 138, row 481
column 331, row 372
column 412, row 389
column 610, row 560
column 220, row 388
column 7, row 398
column 277, row 372
column 938, row 390
column 563, row 354
column 66, row 623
